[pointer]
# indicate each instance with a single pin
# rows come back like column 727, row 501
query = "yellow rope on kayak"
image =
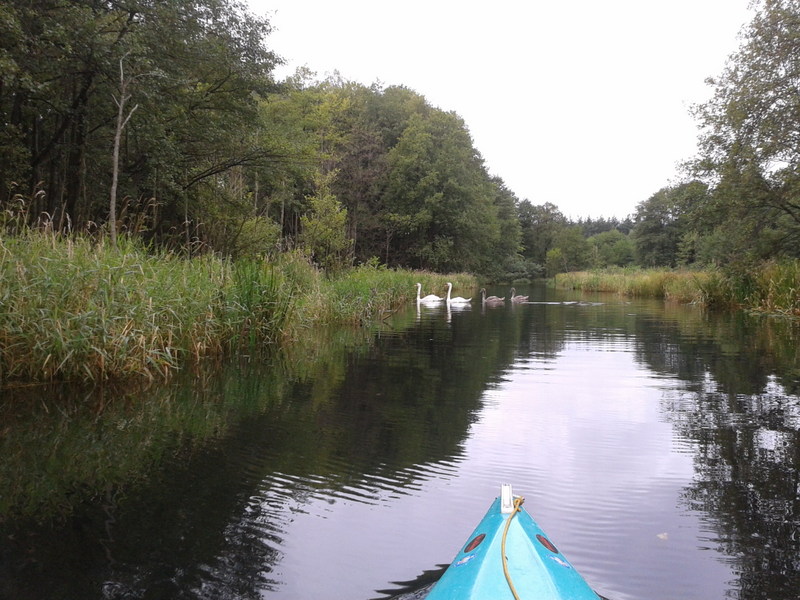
column 517, row 506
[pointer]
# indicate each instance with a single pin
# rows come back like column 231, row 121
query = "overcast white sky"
column 582, row 103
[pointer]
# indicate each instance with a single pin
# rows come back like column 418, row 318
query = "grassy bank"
column 772, row 287
column 681, row 286
column 76, row 309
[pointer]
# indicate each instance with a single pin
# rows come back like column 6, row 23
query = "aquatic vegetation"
column 75, row 308
column 772, row 287
column 681, row 286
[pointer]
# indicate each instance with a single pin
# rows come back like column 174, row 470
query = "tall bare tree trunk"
column 122, row 120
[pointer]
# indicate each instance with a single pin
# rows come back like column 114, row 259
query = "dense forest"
column 164, row 120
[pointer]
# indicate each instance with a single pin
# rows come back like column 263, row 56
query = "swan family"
column 432, row 299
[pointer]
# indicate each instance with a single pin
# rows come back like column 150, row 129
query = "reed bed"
column 772, row 287
column 679, row 286
column 76, row 310
column 72, row 308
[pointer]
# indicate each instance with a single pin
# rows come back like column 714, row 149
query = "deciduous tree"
column 663, row 219
column 540, row 224
column 750, row 126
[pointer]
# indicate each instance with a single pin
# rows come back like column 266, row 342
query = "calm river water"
column 659, row 447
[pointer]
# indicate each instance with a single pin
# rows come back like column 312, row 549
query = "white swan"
column 516, row 299
column 491, row 300
column 455, row 299
column 429, row 299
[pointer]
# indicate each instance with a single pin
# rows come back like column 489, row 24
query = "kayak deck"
column 534, row 569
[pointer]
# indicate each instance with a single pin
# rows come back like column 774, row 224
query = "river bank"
column 771, row 288
column 78, row 309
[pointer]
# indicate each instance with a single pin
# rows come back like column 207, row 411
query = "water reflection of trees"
column 738, row 404
column 740, row 409
column 747, row 462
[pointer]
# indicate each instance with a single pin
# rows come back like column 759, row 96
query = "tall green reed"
column 772, row 287
column 74, row 308
column 258, row 302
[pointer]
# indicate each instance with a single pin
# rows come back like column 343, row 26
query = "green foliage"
column 539, row 227
column 76, row 310
column 323, row 229
column 414, row 188
column 611, row 249
column 748, row 144
column 258, row 236
column 192, row 68
column 736, row 224
column 663, row 220
column 219, row 158
column 514, row 269
column 570, row 253
column 440, row 196
column 555, row 262
column 592, row 227
column 508, row 246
